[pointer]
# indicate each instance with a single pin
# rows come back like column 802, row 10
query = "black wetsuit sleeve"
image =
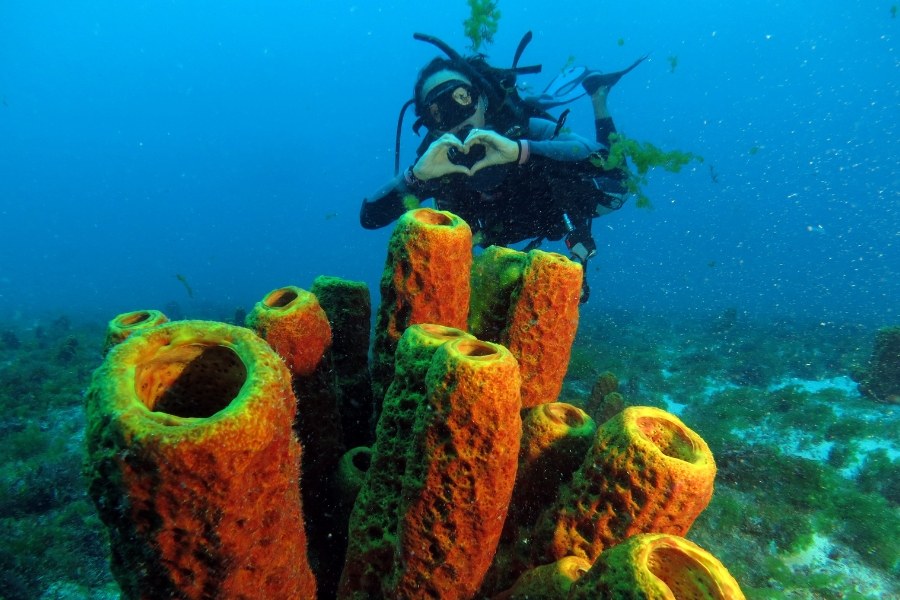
column 604, row 127
column 569, row 162
column 385, row 205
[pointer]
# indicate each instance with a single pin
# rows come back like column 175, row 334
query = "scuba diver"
column 500, row 161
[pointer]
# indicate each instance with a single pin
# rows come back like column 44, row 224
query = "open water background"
column 143, row 140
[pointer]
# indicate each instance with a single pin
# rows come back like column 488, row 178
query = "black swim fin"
column 575, row 82
column 595, row 80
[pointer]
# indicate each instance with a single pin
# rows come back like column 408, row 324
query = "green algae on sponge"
column 348, row 306
column 647, row 472
column 375, row 515
column 194, row 467
column 645, row 156
column 496, row 278
column 549, row 581
column 350, row 477
column 882, row 380
column 460, row 477
column 482, row 24
column 425, row 280
column 656, row 567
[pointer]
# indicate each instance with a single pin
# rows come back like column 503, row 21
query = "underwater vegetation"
column 808, row 488
column 644, row 156
column 881, row 381
column 794, row 477
column 50, row 530
column 482, row 24
column 673, row 62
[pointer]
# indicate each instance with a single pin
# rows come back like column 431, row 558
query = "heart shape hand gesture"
column 435, row 162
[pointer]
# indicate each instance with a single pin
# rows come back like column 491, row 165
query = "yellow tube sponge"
column 131, row 322
column 549, row 582
column 655, row 566
column 647, row 472
column 543, row 323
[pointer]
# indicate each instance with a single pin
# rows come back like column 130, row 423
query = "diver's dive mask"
column 449, row 104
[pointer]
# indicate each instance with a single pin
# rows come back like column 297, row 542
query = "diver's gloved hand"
column 435, row 163
column 500, row 150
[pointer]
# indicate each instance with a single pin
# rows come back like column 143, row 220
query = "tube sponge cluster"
column 425, row 280
column 478, row 483
column 528, row 303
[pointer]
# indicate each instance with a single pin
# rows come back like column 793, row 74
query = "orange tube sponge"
column 657, row 567
column 542, row 324
column 425, row 280
column 131, row 322
column 555, row 438
column 459, row 482
column 291, row 320
column 549, row 582
column 646, row 473
column 374, row 519
column 294, row 324
column 194, row 467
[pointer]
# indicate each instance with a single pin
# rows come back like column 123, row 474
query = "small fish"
column 711, row 264
column 754, row 150
column 568, row 64
column 713, row 175
column 673, row 61
column 331, row 216
column 621, row 42
column 893, row 16
column 183, row 280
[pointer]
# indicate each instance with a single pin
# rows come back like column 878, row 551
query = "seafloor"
column 807, row 500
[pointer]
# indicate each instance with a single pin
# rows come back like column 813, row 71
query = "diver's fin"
column 595, row 80
column 575, row 82
column 565, row 88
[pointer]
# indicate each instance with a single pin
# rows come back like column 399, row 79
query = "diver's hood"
column 494, row 92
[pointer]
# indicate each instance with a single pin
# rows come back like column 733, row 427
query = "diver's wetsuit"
column 515, row 202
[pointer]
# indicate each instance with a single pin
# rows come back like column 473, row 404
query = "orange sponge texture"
column 195, row 468
column 647, row 472
column 458, row 486
column 292, row 322
column 543, row 323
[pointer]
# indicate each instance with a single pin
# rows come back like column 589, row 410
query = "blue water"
column 139, row 141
